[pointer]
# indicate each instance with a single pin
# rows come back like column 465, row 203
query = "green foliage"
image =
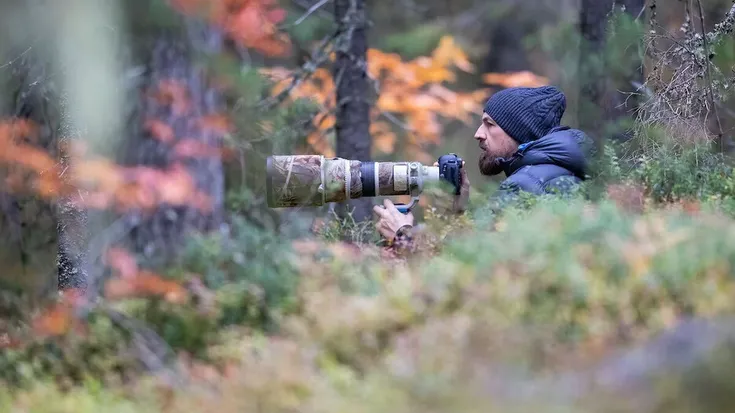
column 573, row 266
column 87, row 398
column 724, row 53
column 624, row 50
column 418, row 41
column 97, row 354
column 347, row 229
column 669, row 169
column 250, row 275
column 307, row 29
column 249, row 256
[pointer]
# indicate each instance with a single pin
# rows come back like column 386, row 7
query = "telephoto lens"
column 313, row 180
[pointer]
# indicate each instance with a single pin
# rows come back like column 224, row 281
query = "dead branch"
column 686, row 85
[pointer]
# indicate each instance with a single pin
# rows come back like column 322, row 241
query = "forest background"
column 142, row 270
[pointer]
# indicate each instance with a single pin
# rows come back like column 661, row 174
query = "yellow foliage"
column 411, row 92
column 515, row 79
column 414, row 93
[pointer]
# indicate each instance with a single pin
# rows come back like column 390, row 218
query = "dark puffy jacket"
column 555, row 163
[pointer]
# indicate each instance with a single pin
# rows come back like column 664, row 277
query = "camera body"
column 450, row 169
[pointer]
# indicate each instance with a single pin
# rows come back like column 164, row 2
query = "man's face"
column 495, row 144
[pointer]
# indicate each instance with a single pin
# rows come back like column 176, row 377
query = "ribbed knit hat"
column 526, row 113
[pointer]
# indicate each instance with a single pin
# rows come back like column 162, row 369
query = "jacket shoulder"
column 537, row 178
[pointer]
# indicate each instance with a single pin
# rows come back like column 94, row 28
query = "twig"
column 396, row 121
column 318, row 11
column 307, row 69
column 16, row 58
column 681, row 98
column 311, row 10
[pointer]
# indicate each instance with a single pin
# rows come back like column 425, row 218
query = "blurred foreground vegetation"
column 620, row 299
column 527, row 311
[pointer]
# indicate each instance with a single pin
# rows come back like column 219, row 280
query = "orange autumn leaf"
column 191, row 148
column 30, row 168
column 58, row 319
column 12, row 132
column 515, row 79
column 250, row 23
column 172, row 93
column 54, row 321
column 274, row 14
column 216, row 123
column 160, row 130
column 412, row 91
column 134, row 187
column 32, row 158
column 122, row 261
column 100, row 173
column 49, row 186
column 12, row 129
column 179, row 187
column 145, row 283
column 383, row 138
column 390, row 102
column 385, row 143
column 100, row 183
column 448, row 52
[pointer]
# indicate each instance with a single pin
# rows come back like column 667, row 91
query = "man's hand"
column 391, row 219
column 459, row 205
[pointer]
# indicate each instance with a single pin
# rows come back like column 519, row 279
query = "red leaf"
column 276, row 16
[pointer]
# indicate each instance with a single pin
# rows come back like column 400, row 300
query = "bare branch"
column 686, row 86
column 318, row 57
column 319, row 11
column 311, row 10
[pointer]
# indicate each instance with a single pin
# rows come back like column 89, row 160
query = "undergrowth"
column 555, row 285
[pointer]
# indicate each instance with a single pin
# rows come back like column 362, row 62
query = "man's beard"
column 490, row 165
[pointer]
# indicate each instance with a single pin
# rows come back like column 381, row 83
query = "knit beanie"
column 527, row 113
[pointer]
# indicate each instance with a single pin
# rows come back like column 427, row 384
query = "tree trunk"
column 506, row 34
column 157, row 237
column 28, row 249
column 72, row 226
column 353, row 109
column 636, row 9
column 593, row 20
column 38, row 89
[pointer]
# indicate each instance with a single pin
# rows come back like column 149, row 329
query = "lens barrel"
column 313, row 180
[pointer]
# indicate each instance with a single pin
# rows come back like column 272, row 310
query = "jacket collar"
column 537, row 150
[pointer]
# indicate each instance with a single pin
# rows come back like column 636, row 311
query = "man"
column 520, row 134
